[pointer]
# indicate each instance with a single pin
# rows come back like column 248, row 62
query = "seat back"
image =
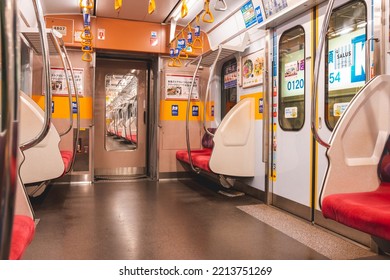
column 234, row 142
column 358, row 141
column 43, row 161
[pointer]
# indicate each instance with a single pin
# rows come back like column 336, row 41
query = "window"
column 292, row 79
column 345, row 72
column 229, row 86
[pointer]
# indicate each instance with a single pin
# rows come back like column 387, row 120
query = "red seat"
column 201, row 157
column 22, row 234
column 67, row 159
column 132, row 138
column 366, row 211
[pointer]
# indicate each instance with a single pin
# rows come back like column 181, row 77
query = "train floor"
column 170, row 219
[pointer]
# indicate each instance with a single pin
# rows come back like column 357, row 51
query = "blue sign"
column 197, row 31
column 74, row 107
column 261, row 105
column 175, row 110
column 258, row 14
column 195, row 111
column 248, row 12
column 181, row 44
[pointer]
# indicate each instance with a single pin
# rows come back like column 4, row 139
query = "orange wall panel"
column 121, row 35
column 131, row 35
column 77, row 22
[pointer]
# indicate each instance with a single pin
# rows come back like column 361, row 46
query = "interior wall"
column 172, row 129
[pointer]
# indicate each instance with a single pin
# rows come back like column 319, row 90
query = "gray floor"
column 154, row 220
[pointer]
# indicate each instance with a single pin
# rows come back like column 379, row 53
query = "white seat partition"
column 358, row 141
column 234, row 142
column 43, row 161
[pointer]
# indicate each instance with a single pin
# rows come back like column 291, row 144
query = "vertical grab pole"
column 317, row 63
column 212, row 71
column 76, row 93
column 10, row 69
column 59, row 50
column 197, row 170
column 46, row 69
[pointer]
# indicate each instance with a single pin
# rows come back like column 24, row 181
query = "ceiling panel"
column 138, row 10
column 61, row 7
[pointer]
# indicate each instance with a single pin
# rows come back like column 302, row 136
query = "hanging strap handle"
column 86, row 4
column 207, row 13
column 184, row 9
column 118, row 5
column 197, row 43
column 221, row 8
column 151, row 7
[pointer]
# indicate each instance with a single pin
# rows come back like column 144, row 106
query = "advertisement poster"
column 293, row 80
column 252, row 69
column 230, row 77
column 248, row 12
column 178, row 87
column 58, row 81
column 346, row 61
column 272, row 7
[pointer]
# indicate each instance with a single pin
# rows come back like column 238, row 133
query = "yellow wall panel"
column 61, row 106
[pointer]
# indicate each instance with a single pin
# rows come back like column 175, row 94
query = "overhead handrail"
column 221, row 8
column 46, row 69
column 211, row 75
column 59, row 50
column 317, row 63
column 10, row 67
column 76, row 93
column 195, row 169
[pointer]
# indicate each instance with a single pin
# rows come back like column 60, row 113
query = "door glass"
column 292, row 79
column 121, row 111
column 229, row 86
column 345, row 58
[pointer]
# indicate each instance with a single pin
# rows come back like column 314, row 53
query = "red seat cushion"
column 132, row 138
column 67, row 159
column 22, row 234
column 200, row 158
column 202, row 161
column 365, row 211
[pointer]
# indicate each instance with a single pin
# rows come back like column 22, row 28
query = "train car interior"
column 189, row 129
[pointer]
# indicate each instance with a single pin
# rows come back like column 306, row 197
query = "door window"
column 292, row 79
column 345, row 58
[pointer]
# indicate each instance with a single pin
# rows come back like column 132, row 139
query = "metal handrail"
column 212, row 71
column 46, row 69
column 59, row 50
column 8, row 132
column 76, row 93
column 317, row 63
column 197, row 170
